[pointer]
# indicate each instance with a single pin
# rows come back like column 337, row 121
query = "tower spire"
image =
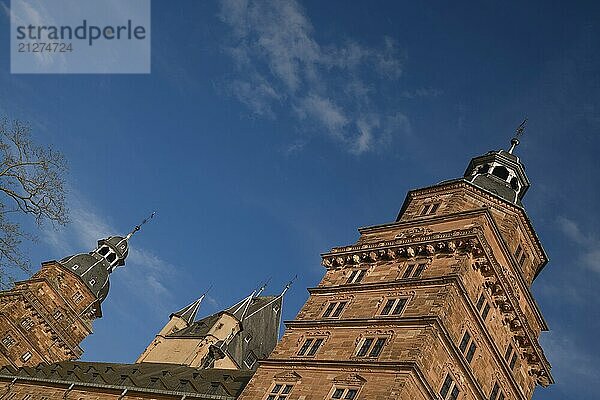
column 287, row 287
column 138, row 227
column 189, row 312
column 518, row 133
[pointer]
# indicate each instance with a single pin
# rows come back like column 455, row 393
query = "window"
column 310, row 347
column 75, row 267
column 27, row 397
column 467, row 346
column 57, row 314
column 334, row 309
column 250, row 360
column 429, row 209
column 356, row 276
column 496, row 393
column 511, row 356
column 483, row 307
column 8, row 341
column 393, row 307
column 501, row 172
column 518, row 252
column 92, row 282
column 522, row 260
column 280, row 392
column 26, row 356
column 77, row 297
column 509, row 351
column 111, row 257
column 27, row 323
column 343, row 393
column 414, row 270
column 449, row 390
column 513, row 360
column 248, row 338
column 370, row 347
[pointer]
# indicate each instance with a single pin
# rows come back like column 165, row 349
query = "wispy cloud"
column 282, row 69
column 144, row 273
column 588, row 243
column 572, row 365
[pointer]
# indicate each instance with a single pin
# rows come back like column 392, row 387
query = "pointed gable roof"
column 189, row 312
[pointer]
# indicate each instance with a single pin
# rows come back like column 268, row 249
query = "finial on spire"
column 286, row 288
column 138, row 227
column 518, row 133
column 262, row 288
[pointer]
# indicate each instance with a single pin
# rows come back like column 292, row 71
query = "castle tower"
column 45, row 318
column 436, row 305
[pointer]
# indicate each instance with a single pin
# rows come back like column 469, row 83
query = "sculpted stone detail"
column 287, row 376
column 350, row 379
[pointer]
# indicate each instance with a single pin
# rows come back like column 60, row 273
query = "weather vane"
column 138, row 227
column 518, row 133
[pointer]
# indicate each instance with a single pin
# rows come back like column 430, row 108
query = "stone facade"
column 43, row 319
column 433, row 306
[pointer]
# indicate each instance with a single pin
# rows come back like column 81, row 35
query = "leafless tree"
column 32, row 184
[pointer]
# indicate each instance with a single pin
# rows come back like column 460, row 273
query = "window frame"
column 344, row 392
column 370, row 347
column 415, row 269
column 496, row 393
column 8, row 341
column 452, row 392
column 394, row 303
column 467, row 346
column 310, row 347
column 281, row 393
column 335, row 309
column 26, row 356
column 356, row 276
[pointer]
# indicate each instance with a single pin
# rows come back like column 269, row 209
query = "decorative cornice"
column 470, row 241
column 491, row 197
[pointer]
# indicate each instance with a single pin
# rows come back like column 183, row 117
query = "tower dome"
column 500, row 172
column 94, row 268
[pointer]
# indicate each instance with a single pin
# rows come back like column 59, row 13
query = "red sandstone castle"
column 435, row 305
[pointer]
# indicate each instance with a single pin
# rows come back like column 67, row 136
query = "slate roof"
column 145, row 377
column 199, row 328
column 188, row 313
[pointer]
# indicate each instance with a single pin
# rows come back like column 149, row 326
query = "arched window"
column 111, row 257
column 484, row 168
column 514, row 183
column 501, row 172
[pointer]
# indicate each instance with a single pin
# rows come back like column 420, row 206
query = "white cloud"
column 571, row 364
column 589, row 243
column 283, row 68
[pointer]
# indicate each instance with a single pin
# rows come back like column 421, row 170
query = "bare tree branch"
column 32, row 183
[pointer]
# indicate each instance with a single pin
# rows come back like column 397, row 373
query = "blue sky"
column 268, row 132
